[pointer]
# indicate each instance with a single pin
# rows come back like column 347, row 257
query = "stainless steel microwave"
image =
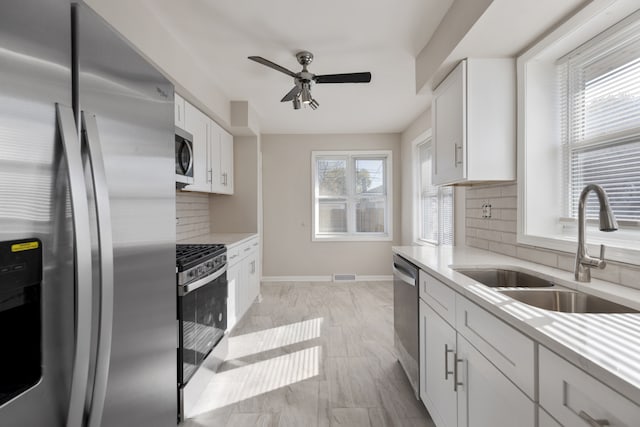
column 184, row 158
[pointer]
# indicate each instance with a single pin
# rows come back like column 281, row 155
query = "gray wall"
column 286, row 179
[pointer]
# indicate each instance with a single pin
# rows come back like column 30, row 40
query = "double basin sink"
column 542, row 293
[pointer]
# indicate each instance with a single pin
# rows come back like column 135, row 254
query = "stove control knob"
column 191, row 273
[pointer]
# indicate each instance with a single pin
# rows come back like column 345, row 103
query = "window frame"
column 351, row 235
column 428, row 140
column 542, row 222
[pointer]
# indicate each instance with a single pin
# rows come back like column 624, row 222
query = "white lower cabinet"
column 485, row 396
column 575, row 398
column 437, row 351
column 243, row 277
column 459, row 384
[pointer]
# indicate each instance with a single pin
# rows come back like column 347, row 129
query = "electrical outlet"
column 486, row 210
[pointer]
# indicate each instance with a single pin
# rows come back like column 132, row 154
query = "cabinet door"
column 233, row 280
column 437, row 349
column 197, row 124
column 226, row 161
column 178, row 104
column 449, row 128
column 215, row 172
column 253, row 281
column 485, row 396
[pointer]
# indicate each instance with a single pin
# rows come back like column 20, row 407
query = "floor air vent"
column 344, row 277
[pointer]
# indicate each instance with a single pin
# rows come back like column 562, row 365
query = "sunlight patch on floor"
column 272, row 338
column 245, row 382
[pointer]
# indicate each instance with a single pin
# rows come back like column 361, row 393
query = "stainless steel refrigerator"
column 88, row 327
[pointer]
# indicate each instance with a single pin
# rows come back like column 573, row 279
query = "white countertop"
column 607, row 346
column 227, row 239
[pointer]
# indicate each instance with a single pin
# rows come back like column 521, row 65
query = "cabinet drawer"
column 509, row 350
column 571, row 396
column 439, row 296
column 233, row 254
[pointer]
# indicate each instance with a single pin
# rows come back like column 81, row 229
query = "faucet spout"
column 608, row 222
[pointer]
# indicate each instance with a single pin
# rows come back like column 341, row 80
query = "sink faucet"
column 584, row 261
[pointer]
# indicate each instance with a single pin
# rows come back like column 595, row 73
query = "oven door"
column 202, row 312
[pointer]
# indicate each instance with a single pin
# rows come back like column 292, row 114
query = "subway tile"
column 477, row 223
column 630, row 277
column 504, row 202
column 474, row 203
column 535, row 255
column 473, row 213
column 502, row 248
column 489, row 235
column 508, row 226
column 510, row 238
column 471, row 232
column 509, row 214
column 611, row 273
column 509, row 190
column 477, row 243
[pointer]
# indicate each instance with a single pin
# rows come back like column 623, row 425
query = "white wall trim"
column 327, row 278
column 379, row 278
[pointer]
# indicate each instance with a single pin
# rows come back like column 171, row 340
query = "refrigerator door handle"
column 81, row 236
column 91, row 138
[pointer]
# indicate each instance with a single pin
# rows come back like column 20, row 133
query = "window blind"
column 599, row 91
column 436, row 203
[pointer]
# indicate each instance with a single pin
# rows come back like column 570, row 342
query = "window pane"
column 436, row 203
column 332, row 216
column 370, row 215
column 332, row 177
column 370, row 176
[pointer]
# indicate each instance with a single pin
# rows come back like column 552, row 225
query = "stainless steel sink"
column 566, row 301
column 502, row 278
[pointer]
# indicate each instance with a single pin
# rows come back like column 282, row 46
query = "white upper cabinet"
column 212, row 153
column 474, row 123
column 221, row 156
column 197, row 124
column 178, row 104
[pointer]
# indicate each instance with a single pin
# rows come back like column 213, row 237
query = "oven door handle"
column 185, row 289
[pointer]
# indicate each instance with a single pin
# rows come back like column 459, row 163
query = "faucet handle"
column 601, row 262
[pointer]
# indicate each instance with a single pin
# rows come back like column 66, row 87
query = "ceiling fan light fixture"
column 296, row 103
column 314, row 104
column 305, row 95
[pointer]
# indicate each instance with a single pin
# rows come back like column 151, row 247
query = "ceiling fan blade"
column 344, row 78
column 261, row 60
column 291, row 94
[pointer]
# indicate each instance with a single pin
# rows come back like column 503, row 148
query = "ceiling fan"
column 301, row 92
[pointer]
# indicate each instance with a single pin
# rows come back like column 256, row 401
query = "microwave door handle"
column 105, row 247
column 190, row 167
column 82, row 242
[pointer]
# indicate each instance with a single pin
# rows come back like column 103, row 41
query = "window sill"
column 614, row 252
column 352, row 238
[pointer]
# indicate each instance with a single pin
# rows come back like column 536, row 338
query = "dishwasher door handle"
column 403, row 276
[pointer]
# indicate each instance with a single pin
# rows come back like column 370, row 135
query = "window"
column 599, row 87
column 579, row 123
column 352, row 195
column 435, row 209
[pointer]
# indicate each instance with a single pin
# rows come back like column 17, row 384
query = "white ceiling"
column 380, row 36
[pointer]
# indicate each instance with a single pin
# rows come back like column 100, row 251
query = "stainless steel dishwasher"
column 405, row 318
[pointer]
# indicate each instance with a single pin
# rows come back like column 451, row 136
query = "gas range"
column 196, row 261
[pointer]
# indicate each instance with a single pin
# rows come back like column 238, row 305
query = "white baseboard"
column 327, row 278
column 296, row 278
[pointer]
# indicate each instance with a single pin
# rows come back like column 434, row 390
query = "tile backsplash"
column 192, row 214
column 498, row 234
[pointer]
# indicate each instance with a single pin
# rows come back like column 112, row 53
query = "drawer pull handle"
column 447, row 372
column 247, row 249
column 456, row 383
column 592, row 421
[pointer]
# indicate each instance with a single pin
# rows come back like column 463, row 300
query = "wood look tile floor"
column 313, row 355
